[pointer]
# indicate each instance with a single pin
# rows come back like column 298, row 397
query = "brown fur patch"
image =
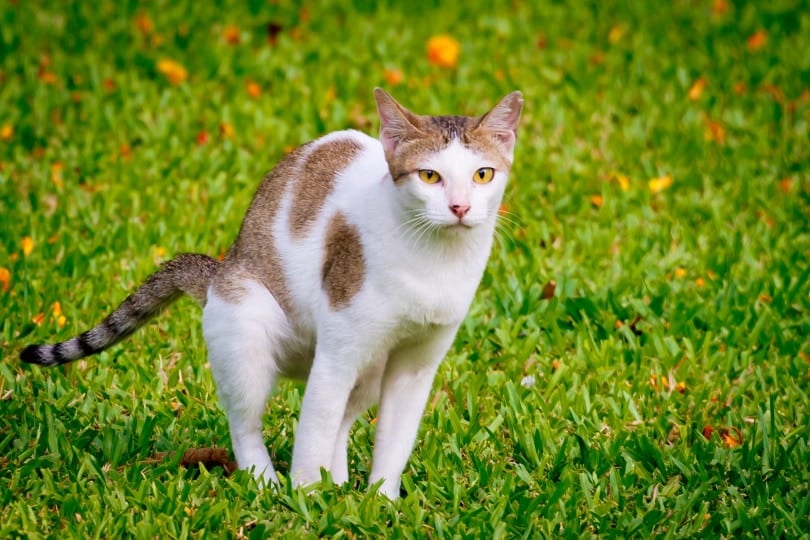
column 344, row 266
column 316, row 181
column 254, row 254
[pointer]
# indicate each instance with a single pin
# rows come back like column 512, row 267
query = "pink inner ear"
column 506, row 137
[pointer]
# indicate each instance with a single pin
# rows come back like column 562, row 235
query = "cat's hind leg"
column 243, row 329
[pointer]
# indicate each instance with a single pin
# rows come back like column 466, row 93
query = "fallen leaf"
column 555, row 365
column 659, row 184
column 393, row 77
column 38, row 318
column 697, row 89
column 253, row 89
column 144, row 23
column 548, row 290
column 273, row 30
column 27, row 245
column 5, row 279
column 226, row 130
column 707, row 431
column 715, row 132
column 757, row 40
column 443, row 51
column 616, row 33
column 201, row 138
column 231, row 34
column 731, row 437
column 597, row 201
column 786, row 185
column 174, row 72
column 6, row 132
column 622, row 180
column 700, row 282
column 720, row 7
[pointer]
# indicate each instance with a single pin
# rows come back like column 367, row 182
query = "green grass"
column 713, row 270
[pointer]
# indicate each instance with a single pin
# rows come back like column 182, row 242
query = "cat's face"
column 450, row 171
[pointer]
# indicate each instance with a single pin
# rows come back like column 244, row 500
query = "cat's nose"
column 460, row 210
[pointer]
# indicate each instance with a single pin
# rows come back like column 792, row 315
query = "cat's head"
column 451, row 171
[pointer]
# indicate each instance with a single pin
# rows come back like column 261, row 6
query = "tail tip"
column 32, row 354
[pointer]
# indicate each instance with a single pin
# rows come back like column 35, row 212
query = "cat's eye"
column 483, row 175
column 429, row 177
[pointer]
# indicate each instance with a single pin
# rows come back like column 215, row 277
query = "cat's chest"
column 433, row 294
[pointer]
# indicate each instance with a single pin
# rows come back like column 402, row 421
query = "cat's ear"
column 502, row 120
column 396, row 122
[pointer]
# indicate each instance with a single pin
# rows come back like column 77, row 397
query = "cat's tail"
column 188, row 273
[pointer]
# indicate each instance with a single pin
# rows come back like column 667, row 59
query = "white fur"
column 422, row 267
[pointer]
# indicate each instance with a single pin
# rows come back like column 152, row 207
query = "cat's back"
column 313, row 192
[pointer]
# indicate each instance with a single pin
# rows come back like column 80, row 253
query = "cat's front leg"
column 330, row 382
column 405, row 388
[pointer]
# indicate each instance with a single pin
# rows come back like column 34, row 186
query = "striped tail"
column 187, row 273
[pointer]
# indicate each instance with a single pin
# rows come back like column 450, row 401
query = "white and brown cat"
column 355, row 265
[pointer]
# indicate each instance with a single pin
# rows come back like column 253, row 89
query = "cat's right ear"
column 396, row 122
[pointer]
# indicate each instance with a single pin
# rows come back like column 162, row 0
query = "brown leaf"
column 549, row 290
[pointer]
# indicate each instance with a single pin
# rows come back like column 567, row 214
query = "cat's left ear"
column 502, row 121
column 396, row 122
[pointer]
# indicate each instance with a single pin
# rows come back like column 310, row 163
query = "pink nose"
column 460, row 210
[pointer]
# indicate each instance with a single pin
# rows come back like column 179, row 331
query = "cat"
column 354, row 266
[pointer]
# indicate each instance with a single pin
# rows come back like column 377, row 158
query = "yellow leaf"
column 616, row 33
column 622, row 180
column 174, row 72
column 659, row 184
column 697, row 89
column 56, row 308
column 226, row 130
column 443, row 51
column 60, row 321
column 680, row 272
column 27, row 245
column 6, row 132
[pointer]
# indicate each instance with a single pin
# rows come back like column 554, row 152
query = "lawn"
column 636, row 361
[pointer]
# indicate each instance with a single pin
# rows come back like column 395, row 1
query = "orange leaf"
column 720, row 7
column 231, row 34
column 786, row 185
column 715, row 132
column 253, row 89
column 596, row 200
column 56, row 308
column 109, row 85
column 27, row 245
column 38, row 318
column 5, row 279
column 48, row 77
column 700, row 282
column 731, row 437
column 174, row 72
column 393, row 77
column 659, row 184
column 6, row 132
column 555, row 365
column 202, row 138
column 680, row 272
column 697, row 89
column 443, row 51
column 144, row 23
column 757, row 40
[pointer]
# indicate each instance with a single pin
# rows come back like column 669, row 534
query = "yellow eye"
column 483, row 175
column 429, row 177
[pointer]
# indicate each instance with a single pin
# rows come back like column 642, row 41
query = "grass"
column 660, row 387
